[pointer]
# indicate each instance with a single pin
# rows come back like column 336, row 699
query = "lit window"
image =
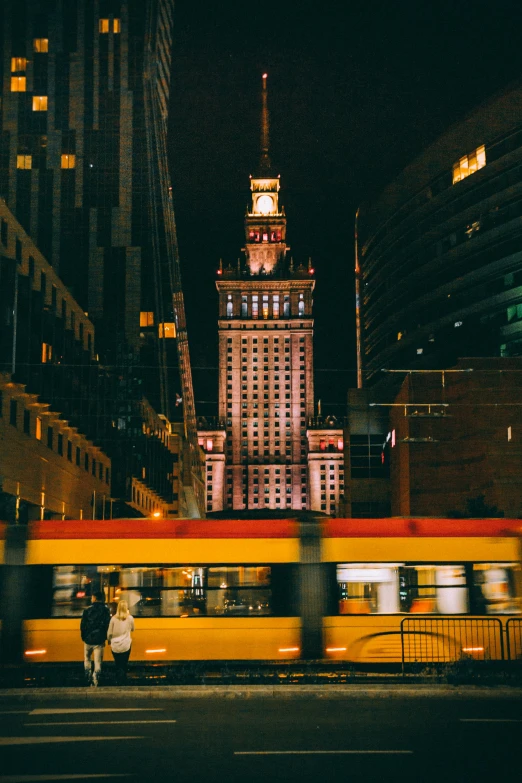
column 68, row 161
column 116, row 26
column 209, row 444
column 167, row 330
column 104, row 26
column 47, row 353
column 40, row 103
column 18, row 83
column 24, row 161
column 146, row 319
column 38, row 428
column 18, row 64
column 41, row 44
column 265, row 306
column 469, row 164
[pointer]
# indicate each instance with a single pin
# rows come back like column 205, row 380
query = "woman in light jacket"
column 119, row 636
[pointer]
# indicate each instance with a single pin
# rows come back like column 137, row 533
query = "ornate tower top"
column 265, row 222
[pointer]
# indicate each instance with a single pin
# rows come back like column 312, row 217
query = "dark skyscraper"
column 83, row 168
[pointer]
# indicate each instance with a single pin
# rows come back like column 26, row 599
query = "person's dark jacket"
column 94, row 624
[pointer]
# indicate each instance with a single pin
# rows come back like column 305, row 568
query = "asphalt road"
column 354, row 740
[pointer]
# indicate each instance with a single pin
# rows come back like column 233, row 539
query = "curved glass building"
column 440, row 250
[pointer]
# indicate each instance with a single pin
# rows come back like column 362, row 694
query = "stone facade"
column 266, row 365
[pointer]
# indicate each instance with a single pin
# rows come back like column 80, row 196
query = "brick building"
column 455, row 445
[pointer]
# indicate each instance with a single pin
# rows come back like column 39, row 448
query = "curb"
column 264, row 692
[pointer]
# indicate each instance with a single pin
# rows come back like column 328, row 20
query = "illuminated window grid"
column 469, row 164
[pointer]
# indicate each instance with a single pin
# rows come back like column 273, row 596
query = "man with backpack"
column 93, row 629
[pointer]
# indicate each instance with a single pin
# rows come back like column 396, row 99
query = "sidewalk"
column 354, row 691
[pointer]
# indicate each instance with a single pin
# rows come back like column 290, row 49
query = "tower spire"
column 265, row 129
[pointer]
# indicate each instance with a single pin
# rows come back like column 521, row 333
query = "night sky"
column 356, row 90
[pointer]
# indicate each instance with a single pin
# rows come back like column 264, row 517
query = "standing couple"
column 96, row 627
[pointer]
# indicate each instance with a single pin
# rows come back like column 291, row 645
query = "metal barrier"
column 448, row 639
column 514, row 639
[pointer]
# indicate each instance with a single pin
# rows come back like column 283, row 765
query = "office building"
column 439, row 251
column 83, row 169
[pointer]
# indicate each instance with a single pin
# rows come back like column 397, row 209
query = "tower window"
column 244, row 307
column 255, row 306
column 41, row 45
column 103, row 26
column 275, row 305
column 146, row 319
column 40, row 103
column 286, row 307
column 301, row 305
column 167, row 330
column 265, row 306
column 18, row 83
column 18, row 64
column 68, row 161
column 24, row 161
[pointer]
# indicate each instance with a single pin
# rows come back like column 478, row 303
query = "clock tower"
column 266, row 392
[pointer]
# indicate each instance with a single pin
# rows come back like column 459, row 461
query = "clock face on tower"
column 265, row 204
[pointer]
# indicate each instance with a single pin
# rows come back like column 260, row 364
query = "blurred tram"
column 268, row 590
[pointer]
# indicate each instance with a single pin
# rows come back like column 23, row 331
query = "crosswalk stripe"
column 81, row 710
column 490, row 720
column 4, row 741
column 319, row 752
column 96, row 723
column 38, row 778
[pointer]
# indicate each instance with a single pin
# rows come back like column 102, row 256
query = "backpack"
column 94, row 624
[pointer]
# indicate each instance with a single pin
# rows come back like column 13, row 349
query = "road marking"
column 73, row 711
column 38, row 778
column 317, row 752
column 42, row 740
column 95, row 723
column 490, row 720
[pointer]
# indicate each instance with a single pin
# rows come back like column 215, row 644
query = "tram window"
column 438, row 589
column 493, row 589
column 368, row 588
column 391, row 588
column 166, row 591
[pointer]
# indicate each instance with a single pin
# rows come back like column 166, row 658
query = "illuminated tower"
column 266, row 392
